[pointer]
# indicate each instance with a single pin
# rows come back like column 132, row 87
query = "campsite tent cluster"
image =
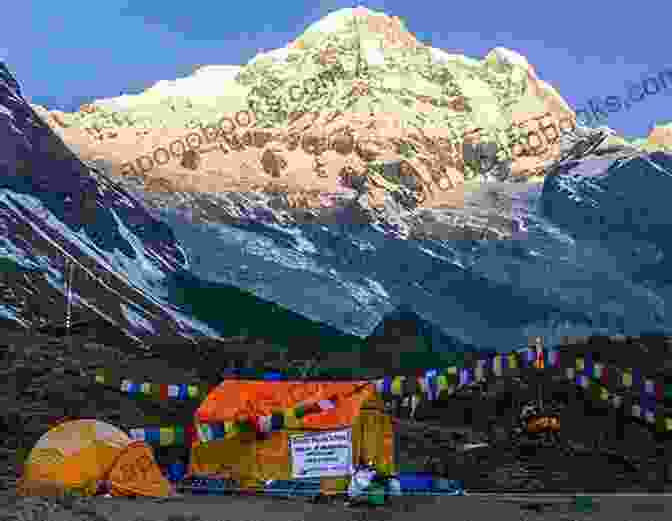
column 333, row 425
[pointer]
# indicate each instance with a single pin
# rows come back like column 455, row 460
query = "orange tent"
column 79, row 455
column 353, row 407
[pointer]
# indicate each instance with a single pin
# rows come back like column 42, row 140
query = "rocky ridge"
column 356, row 96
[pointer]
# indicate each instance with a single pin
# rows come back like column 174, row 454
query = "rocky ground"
column 259, row 509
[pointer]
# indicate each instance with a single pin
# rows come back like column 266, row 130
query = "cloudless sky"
column 69, row 52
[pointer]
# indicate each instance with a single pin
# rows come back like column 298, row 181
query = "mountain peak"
column 359, row 84
column 388, row 31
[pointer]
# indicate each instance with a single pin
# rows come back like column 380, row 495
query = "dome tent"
column 76, row 456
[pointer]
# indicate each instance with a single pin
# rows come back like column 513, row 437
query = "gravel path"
column 504, row 508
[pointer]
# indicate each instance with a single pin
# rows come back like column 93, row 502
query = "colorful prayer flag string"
column 596, row 376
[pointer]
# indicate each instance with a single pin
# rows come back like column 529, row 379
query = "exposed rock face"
column 503, row 58
column 343, row 143
column 88, row 108
column 51, row 200
column 355, row 99
column 273, row 162
column 58, row 117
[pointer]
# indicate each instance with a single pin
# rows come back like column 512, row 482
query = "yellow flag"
column 396, row 385
column 166, row 436
column 291, row 421
column 230, row 429
column 604, row 393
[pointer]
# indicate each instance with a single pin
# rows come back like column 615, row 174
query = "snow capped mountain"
column 206, row 82
column 351, row 265
column 59, row 219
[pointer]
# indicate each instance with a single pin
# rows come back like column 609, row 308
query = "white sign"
column 322, row 454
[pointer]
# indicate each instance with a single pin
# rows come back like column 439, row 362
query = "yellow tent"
column 78, row 455
column 338, row 421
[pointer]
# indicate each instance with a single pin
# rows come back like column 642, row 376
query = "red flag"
column 254, row 421
column 604, row 378
column 189, row 434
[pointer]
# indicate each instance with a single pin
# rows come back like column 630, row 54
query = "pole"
column 539, row 366
column 68, row 290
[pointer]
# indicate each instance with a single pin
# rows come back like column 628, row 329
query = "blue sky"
column 65, row 53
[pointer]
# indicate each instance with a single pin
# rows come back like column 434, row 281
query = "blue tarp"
column 424, row 483
column 293, row 488
column 411, row 484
